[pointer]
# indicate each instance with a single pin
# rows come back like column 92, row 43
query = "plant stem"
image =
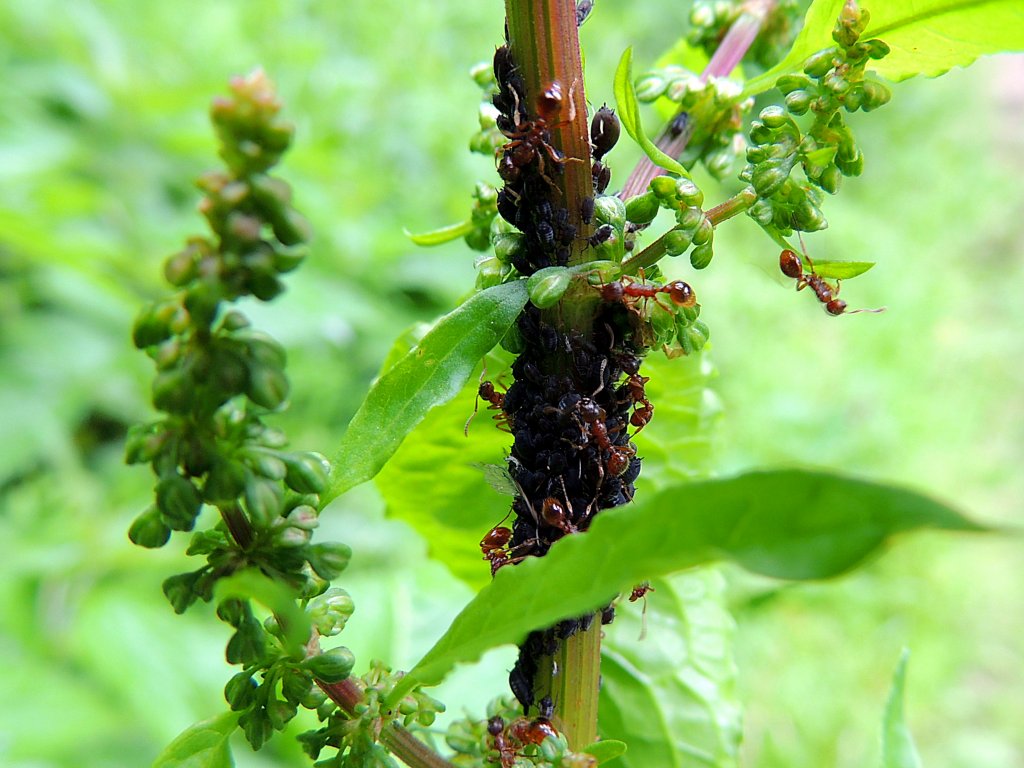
column 653, row 253
column 734, row 46
column 398, row 741
column 544, row 40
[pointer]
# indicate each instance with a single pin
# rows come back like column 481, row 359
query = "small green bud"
column 479, row 239
column 676, row 241
column 225, row 482
column 704, row 233
column 426, row 718
column 701, row 256
column 809, row 218
column 877, row 49
column 482, row 74
column 153, row 325
column 760, row 133
column 331, row 666
column 689, row 193
column 506, row 245
column 875, row 95
column 774, row 117
column 761, row 212
column 609, row 209
column 836, row 83
column 307, row 472
column 331, row 611
column 304, row 517
column 263, row 501
column 329, row 560
column 663, row 187
column 650, row 87
column 232, row 611
column 798, row 102
column 852, row 167
column 267, row 386
column 643, row 208
column 314, row 697
column 206, row 542
column 547, row 286
column 790, row 83
column 295, row 685
column 769, row 177
column 181, row 268
column 178, row 501
column 689, row 218
column 148, row 530
column 830, row 179
column 291, row 537
column 817, row 64
column 240, row 691
column 180, row 589
column 854, row 98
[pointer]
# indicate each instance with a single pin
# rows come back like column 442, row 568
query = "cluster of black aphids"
column 572, row 456
column 529, row 165
column 567, row 409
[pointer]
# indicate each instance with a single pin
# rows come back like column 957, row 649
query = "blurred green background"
column 102, row 129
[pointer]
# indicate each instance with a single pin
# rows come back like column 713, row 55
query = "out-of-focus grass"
column 102, row 129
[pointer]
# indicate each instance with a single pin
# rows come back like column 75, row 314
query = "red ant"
column 593, row 417
column 529, row 138
column 643, row 410
column 496, row 402
column 511, row 739
column 792, row 266
column 640, row 593
column 630, row 290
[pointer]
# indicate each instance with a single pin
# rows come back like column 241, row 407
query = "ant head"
column 835, row 307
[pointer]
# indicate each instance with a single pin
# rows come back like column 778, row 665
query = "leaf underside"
column 203, row 745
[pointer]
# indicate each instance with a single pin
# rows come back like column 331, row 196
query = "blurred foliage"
column 102, row 129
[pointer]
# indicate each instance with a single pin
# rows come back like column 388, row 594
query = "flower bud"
column 256, row 727
column 650, row 87
column 877, row 49
column 479, row 239
column 798, row 102
column 547, row 286
column 769, row 177
column 817, row 64
column 279, row 713
column 830, row 179
column 247, row 645
column 240, row 691
column 875, row 95
column 790, row 83
column 329, row 560
column 663, row 187
column 295, row 685
column 609, row 209
column 267, row 386
column 704, row 233
column 148, row 530
column 774, row 117
column 304, row 517
column 331, row 611
column 180, row 589
column 263, row 501
column 689, row 193
column 643, row 208
column 506, row 245
column 676, row 241
column 307, row 472
column 178, row 501
column 701, row 256
column 331, row 666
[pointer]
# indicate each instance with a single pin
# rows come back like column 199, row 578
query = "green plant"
column 580, row 324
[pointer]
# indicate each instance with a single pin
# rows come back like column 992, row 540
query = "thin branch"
column 676, row 135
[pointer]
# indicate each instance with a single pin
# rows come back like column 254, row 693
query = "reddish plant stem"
column 730, row 52
column 398, row 741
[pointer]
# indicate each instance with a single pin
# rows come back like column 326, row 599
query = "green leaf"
column 841, row 270
column 629, row 116
column 672, row 697
column 250, row 584
column 605, row 750
column 898, row 750
column 203, row 745
column 788, row 524
column 431, row 373
column 454, row 515
column 927, row 37
column 442, row 235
